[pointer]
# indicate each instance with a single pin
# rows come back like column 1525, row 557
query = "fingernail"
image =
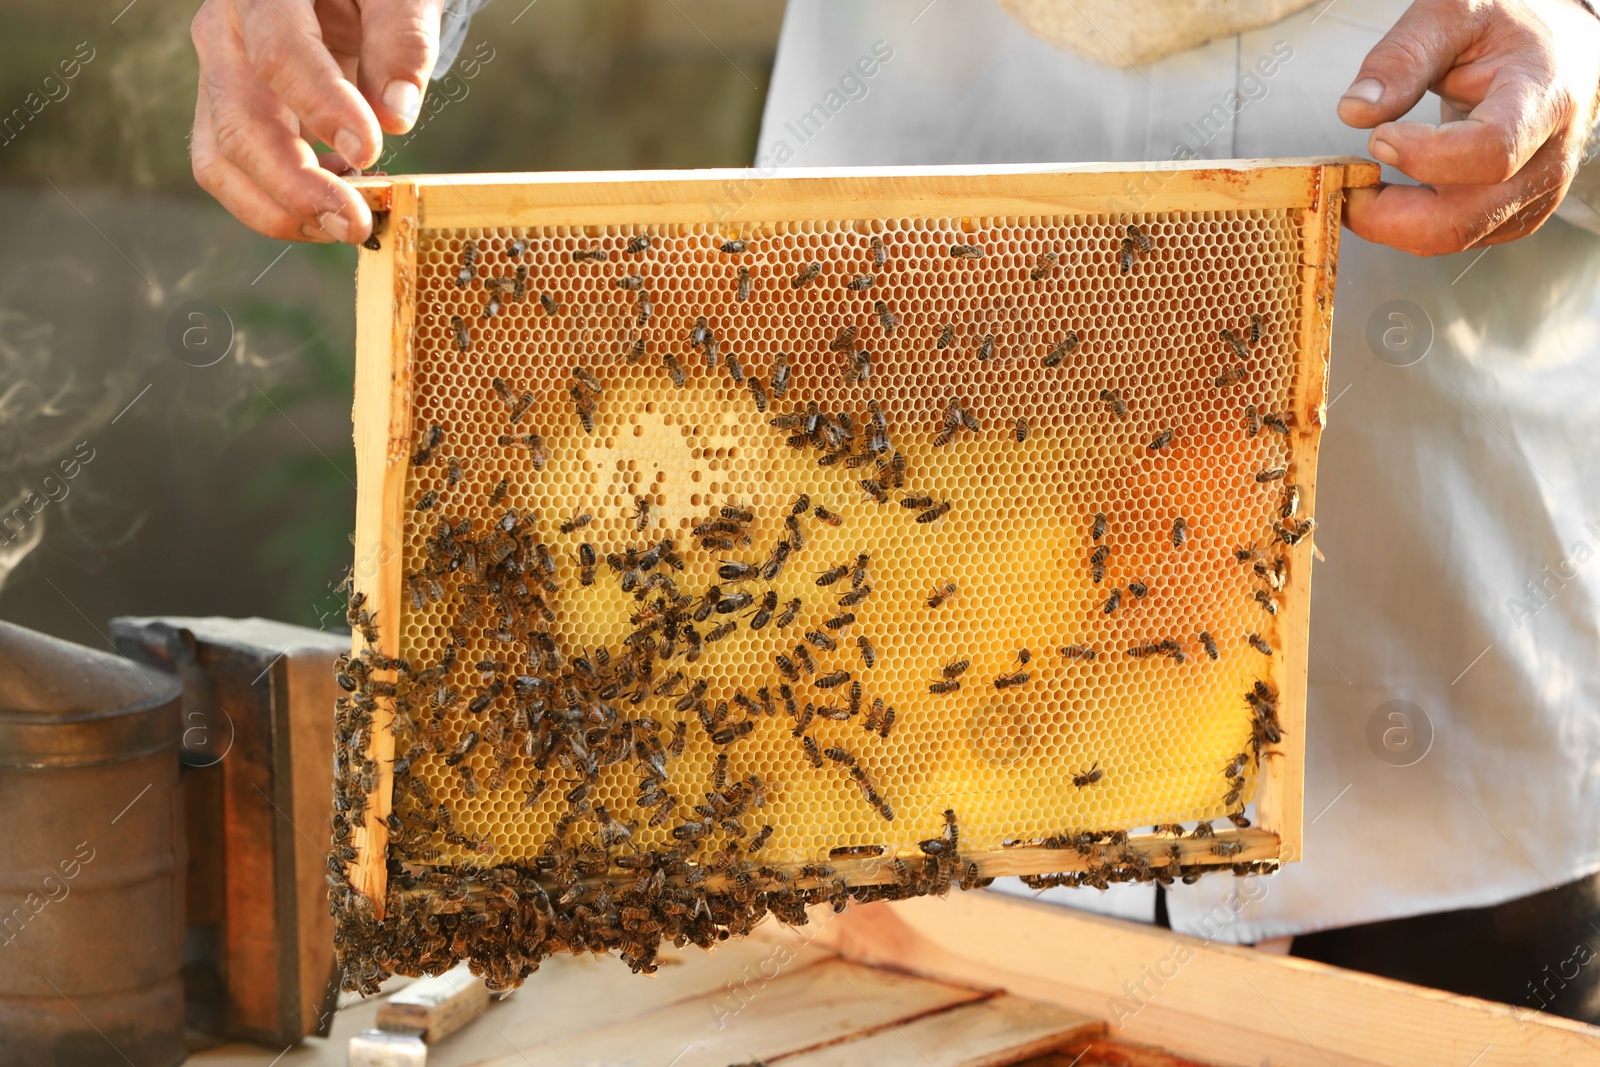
column 403, row 98
column 1367, row 90
column 312, row 232
column 330, row 226
column 1384, row 152
column 348, row 145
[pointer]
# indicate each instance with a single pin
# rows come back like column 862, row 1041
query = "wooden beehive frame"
column 386, row 305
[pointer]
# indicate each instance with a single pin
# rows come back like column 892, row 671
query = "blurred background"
column 136, row 482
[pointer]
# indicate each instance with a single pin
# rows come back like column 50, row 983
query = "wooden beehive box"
column 1055, row 429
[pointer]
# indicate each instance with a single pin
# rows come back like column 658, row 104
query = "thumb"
column 1416, row 53
column 399, row 44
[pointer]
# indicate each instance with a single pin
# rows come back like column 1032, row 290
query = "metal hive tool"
column 591, row 413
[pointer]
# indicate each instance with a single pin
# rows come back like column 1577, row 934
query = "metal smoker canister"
column 91, row 858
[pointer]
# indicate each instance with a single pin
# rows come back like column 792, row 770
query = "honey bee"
column 641, row 512
column 1160, row 441
column 587, row 380
column 1233, row 342
column 1097, row 563
column 875, row 490
column 463, row 333
column 1209, row 644
column 1073, row 653
column 869, row 657
column 583, row 403
column 1063, row 348
column 822, row 641
column 860, row 282
column 1088, row 777
column 880, row 255
column 947, row 334
column 1230, row 377
column 1113, row 600
column 1277, row 424
column 986, row 347
column 806, row 275
column 832, row 680
column 1012, row 680
column 469, row 261
column 933, row 514
column 1252, row 420
column 966, row 252
column 640, row 243
column 630, row 282
column 577, row 522
column 827, row 516
column 780, row 375
column 1138, row 589
column 790, row 611
column 1264, row 598
column 802, row 654
column 1260, row 645
column 733, row 247
column 1125, row 256
column 947, row 685
column 453, row 471
column 1139, row 238
column 1113, row 400
column 643, row 309
column 886, row 318
column 735, row 369
column 1239, row 820
column 675, row 369
column 550, row 304
column 431, row 441
column 595, row 255
column 427, row 500
column 720, row 632
column 743, row 291
column 955, row 669
column 1180, row 532
column 1020, row 430
column 1228, row 848
column 942, row 595
column 1293, row 533
column 758, row 842
column 1043, row 267
column 1271, row 474
column 1255, row 328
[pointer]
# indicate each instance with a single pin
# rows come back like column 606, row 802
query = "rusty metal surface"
column 91, row 859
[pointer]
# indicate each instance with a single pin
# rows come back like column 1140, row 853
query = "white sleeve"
column 453, row 24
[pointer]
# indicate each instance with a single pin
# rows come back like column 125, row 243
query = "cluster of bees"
column 569, row 715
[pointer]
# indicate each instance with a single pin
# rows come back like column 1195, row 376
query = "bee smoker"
column 91, row 858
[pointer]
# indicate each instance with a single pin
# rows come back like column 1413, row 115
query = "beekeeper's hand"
column 1517, row 80
column 279, row 76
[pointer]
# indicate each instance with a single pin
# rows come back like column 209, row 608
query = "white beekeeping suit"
column 1459, row 487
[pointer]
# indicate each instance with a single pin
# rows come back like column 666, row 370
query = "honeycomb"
column 1117, row 741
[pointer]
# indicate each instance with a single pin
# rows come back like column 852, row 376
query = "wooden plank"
column 1214, row 1002
column 310, row 691
column 567, row 996
column 437, row 1006
column 385, row 305
column 987, row 1033
column 735, row 197
column 793, row 1011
